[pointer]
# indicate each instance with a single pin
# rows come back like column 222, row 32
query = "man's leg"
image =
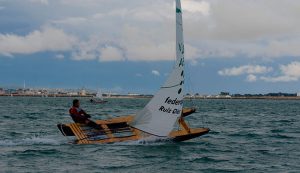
column 93, row 124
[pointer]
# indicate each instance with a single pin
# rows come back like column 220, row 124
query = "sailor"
column 80, row 116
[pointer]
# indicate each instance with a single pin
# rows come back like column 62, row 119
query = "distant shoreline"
column 148, row 97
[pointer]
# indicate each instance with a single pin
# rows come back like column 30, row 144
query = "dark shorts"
column 79, row 119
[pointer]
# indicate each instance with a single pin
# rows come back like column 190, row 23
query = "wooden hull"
column 117, row 130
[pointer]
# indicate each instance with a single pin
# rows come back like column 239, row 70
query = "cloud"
column 214, row 28
column 155, row 72
column 86, row 50
column 59, row 56
column 110, row 53
column 70, row 21
column 246, row 69
column 96, row 49
column 279, row 79
column 44, row 2
column 292, row 69
column 47, row 39
column 196, row 7
column 251, row 78
column 289, row 73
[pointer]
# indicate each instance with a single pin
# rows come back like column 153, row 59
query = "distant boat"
column 99, row 95
column 99, row 98
column 156, row 119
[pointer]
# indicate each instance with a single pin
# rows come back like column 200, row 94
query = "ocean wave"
column 30, row 141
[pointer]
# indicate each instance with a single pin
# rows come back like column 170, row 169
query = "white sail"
column 160, row 114
column 99, row 95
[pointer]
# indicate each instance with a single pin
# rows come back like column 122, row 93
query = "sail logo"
column 181, row 63
column 174, row 102
column 169, row 110
column 181, row 48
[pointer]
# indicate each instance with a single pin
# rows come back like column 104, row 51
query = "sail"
column 160, row 114
column 99, row 95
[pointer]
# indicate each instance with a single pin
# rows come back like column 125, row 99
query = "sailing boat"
column 157, row 118
column 99, row 98
column 99, row 95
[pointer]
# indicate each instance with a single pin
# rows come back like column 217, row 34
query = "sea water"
column 246, row 136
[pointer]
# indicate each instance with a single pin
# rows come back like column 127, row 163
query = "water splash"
column 151, row 140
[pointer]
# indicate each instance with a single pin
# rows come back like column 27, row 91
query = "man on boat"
column 80, row 116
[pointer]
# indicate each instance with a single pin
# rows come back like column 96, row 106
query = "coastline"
column 148, row 97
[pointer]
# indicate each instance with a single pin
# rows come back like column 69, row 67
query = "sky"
column 129, row 46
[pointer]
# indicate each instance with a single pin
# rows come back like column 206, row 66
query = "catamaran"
column 157, row 118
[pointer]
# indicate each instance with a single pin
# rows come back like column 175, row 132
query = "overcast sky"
column 129, row 46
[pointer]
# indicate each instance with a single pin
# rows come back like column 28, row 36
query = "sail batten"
column 160, row 114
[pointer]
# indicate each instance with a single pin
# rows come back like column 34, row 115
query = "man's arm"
column 85, row 114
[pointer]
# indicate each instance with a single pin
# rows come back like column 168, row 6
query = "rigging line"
column 189, row 85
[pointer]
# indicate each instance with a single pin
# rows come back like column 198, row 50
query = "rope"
column 190, row 87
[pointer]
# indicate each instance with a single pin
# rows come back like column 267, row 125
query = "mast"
column 160, row 114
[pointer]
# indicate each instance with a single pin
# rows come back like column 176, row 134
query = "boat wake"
column 31, row 141
column 151, row 140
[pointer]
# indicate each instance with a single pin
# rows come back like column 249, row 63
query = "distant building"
column 82, row 93
column 72, row 93
column 224, row 94
column 20, row 91
column 29, row 92
column 133, row 94
column 2, row 91
column 298, row 94
column 281, row 94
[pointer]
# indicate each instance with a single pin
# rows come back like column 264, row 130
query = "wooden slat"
column 85, row 138
column 79, row 135
column 108, row 132
column 74, row 129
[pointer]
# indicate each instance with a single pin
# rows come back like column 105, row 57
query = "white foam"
column 151, row 140
column 50, row 140
column 30, row 141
